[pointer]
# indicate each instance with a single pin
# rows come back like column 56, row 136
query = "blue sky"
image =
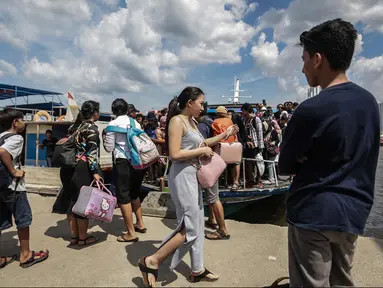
column 147, row 51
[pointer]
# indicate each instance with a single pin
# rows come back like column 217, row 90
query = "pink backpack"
column 94, row 203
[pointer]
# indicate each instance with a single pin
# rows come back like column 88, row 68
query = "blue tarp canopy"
column 12, row 91
column 40, row 106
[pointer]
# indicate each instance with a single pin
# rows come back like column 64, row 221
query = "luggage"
column 94, row 203
column 142, row 150
column 230, row 152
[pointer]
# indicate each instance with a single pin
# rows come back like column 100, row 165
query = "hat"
column 152, row 115
column 131, row 108
column 221, row 110
column 263, row 108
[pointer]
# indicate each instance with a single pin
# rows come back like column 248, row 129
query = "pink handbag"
column 230, row 152
column 94, row 203
column 209, row 170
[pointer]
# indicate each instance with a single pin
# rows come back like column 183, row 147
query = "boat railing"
column 168, row 161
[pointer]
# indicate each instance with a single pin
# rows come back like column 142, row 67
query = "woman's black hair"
column 178, row 104
column 88, row 109
column 76, row 124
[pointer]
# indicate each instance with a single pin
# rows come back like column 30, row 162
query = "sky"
column 147, row 51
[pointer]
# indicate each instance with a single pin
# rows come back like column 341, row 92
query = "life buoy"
column 61, row 118
column 42, row 116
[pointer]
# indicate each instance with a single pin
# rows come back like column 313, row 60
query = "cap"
column 131, row 108
column 221, row 110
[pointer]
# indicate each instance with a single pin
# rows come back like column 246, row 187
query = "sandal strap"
column 146, row 269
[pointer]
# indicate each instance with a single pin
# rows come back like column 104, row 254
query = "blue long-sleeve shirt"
column 338, row 132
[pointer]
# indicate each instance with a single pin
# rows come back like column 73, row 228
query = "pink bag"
column 230, row 152
column 209, row 170
column 94, row 203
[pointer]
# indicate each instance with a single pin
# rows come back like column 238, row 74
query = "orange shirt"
column 220, row 125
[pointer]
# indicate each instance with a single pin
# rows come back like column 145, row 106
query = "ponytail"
column 173, row 110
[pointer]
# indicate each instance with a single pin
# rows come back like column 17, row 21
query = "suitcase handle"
column 101, row 186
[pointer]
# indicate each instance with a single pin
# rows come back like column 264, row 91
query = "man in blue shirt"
column 331, row 144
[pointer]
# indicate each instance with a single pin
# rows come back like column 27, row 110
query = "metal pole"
column 37, row 146
column 244, row 172
column 275, row 175
column 15, row 96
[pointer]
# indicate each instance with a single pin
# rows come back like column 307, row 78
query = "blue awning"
column 12, row 91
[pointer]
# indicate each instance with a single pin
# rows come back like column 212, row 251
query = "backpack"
column 219, row 128
column 143, row 152
column 5, row 176
column 64, row 154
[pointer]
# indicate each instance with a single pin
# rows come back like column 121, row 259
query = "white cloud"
column 302, row 15
column 369, row 74
column 149, row 43
column 29, row 20
column 7, row 68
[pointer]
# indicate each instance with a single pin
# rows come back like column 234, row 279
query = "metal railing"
column 168, row 161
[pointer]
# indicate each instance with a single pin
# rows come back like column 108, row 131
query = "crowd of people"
column 328, row 142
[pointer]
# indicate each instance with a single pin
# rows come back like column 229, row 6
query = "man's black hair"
column 335, row 39
column 48, row 131
column 247, row 107
column 119, row 107
column 7, row 116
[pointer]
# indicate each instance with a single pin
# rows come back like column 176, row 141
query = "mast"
column 236, row 90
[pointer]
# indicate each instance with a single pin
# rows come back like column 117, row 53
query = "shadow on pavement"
column 9, row 243
column 170, row 223
column 141, row 249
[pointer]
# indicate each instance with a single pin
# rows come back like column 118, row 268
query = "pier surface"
column 255, row 255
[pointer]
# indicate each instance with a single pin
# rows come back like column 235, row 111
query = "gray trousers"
column 320, row 259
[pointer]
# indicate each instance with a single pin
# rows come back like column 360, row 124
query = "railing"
column 167, row 164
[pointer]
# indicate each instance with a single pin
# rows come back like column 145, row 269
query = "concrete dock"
column 255, row 256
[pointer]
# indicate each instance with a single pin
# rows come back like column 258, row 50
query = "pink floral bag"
column 95, row 203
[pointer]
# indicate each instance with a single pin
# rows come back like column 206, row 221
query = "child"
column 13, row 197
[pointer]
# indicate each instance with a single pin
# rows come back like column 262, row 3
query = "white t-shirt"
column 14, row 146
column 112, row 138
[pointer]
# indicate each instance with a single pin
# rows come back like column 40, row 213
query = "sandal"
column 42, row 256
column 87, row 241
column 235, row 187
column 211, row 225
column 6, row 262
column 202, row 277
column 140, row 230
column 124, row 240
column 217, row 235
column 74, row 241
column 279, row 280
column 259, row 186
column 145, row 270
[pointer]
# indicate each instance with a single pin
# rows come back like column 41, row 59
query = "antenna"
column 236, row 91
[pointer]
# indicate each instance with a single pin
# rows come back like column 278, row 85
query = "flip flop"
column 32, row 261
column 6, row 262
column 74, row 241
column 202, row 277
column 123, row 240
column 217, row 235
column 211, row 225
column 140, row 230
column 145, row 270
column 86, row 243
column 279, row 280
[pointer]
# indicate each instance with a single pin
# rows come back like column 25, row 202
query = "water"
column 272, row 210
column 374, row 227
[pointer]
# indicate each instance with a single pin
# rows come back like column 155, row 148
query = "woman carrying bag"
column 86, row 170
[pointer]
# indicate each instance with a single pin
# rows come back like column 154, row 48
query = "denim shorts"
column 14, row 204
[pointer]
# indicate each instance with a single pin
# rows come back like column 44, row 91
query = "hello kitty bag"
column 95, row 203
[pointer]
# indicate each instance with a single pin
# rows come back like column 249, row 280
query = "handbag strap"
column 101, row 186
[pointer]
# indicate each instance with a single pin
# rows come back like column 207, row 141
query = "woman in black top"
column 87, row 168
